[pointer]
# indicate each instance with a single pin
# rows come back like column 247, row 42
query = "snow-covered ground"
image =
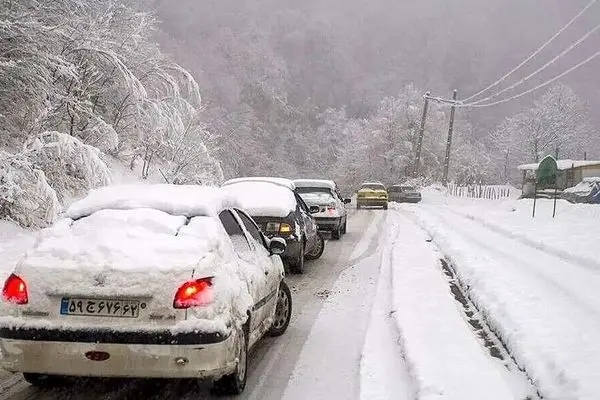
column 535, row 280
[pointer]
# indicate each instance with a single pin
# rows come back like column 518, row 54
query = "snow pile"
column 263, row 199
column 585, row 187
column 545, row 308
column 25, row 195
column 187, row 200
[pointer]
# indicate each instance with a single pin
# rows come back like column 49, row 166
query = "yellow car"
column 372, row 194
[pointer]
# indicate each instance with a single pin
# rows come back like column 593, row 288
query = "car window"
column 373, row 187
column 251, row 227
column 235, row 232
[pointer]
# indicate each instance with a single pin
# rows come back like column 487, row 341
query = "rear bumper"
column 329, row 224
column 127, row 360
column 371, row 202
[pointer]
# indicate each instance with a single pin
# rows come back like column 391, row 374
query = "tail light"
column 331, row 209
column 15, row 290
column 285, row 228
column 194, row 293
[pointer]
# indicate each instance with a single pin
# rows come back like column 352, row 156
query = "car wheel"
column 283, row 312
column 357, row 206
column 318, row 250
column 235, row 383
column 345, row 228
column 42, row 381
column 297, row 265
column 385, row 206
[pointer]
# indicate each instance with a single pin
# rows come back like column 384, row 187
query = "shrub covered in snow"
column 25, row 195
column 72, row 167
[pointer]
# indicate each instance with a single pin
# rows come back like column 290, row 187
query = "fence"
column 489, row 192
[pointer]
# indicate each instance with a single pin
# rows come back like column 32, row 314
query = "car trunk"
column 103, row 297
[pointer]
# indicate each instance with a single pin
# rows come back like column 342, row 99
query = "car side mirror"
column 314, row 209
column 277, row 246
column 347, row 201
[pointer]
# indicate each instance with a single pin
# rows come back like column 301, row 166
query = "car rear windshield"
column 317, row 197
column 373, row 187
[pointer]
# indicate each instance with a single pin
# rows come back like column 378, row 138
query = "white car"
column 332, row 215
column 147, row 281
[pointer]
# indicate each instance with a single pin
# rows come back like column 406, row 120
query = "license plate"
column 100, row 307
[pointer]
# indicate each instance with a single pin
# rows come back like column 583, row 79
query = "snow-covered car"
column 586, row 191
column 372, row 194
column 149, row 281
column 332, row 215
column 280, row 212
column 403, row 194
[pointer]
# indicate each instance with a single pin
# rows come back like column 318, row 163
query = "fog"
column 353, row 53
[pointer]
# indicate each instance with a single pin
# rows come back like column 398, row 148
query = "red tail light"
column 331, row 209
column 194, row 293
column 15, row 290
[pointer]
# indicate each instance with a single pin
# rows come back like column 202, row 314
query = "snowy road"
column 284, row 367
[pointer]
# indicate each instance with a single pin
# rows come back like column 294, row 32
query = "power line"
column 540, row 86
column 535, row 53
column 522, row 81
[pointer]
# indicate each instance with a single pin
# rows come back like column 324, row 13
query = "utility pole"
column 421, row 134
column 449, row 142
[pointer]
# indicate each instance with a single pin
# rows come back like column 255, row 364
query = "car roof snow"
column 316, row 183
column 187, row 200
column 288, row 183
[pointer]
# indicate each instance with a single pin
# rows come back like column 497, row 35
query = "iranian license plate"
column 100, row 307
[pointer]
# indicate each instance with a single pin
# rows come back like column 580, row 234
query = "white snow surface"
column 188, row 200
column 534, row 280
column 315, row 183
column 14, row 242
column 263, row 199
column 445, row 358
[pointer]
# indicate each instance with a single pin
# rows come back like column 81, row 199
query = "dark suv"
column 280, row 212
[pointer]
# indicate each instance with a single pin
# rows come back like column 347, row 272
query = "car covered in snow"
column 281, row 212
column 372, row 194
column 332, row 215
column 148, row 281
column 403, row 194
column 586, row 191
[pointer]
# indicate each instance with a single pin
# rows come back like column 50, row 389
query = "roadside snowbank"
column 445, row 358
column 545, row 308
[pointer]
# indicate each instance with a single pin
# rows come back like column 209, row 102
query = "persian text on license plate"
column 101, row 307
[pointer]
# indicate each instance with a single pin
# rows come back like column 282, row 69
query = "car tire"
column 318, row 250
column 42, row 380
column 235, row 383
column 385, row 206
column 357, row 206
column 345, row 227
column 283, row 311
column 297, row 265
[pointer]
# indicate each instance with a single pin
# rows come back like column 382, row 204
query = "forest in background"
column 201, row 91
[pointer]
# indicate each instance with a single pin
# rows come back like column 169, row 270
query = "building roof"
column 562, row 165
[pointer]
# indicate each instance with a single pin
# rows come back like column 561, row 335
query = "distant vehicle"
column 332, row 215
column 280, row 212
column 372, row 194
column 587, row 191
column 145, row 281
column 404, row 194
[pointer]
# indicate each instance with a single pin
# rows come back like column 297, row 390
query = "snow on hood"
column 144, row 239
column 187, row 200
column 263, row 199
